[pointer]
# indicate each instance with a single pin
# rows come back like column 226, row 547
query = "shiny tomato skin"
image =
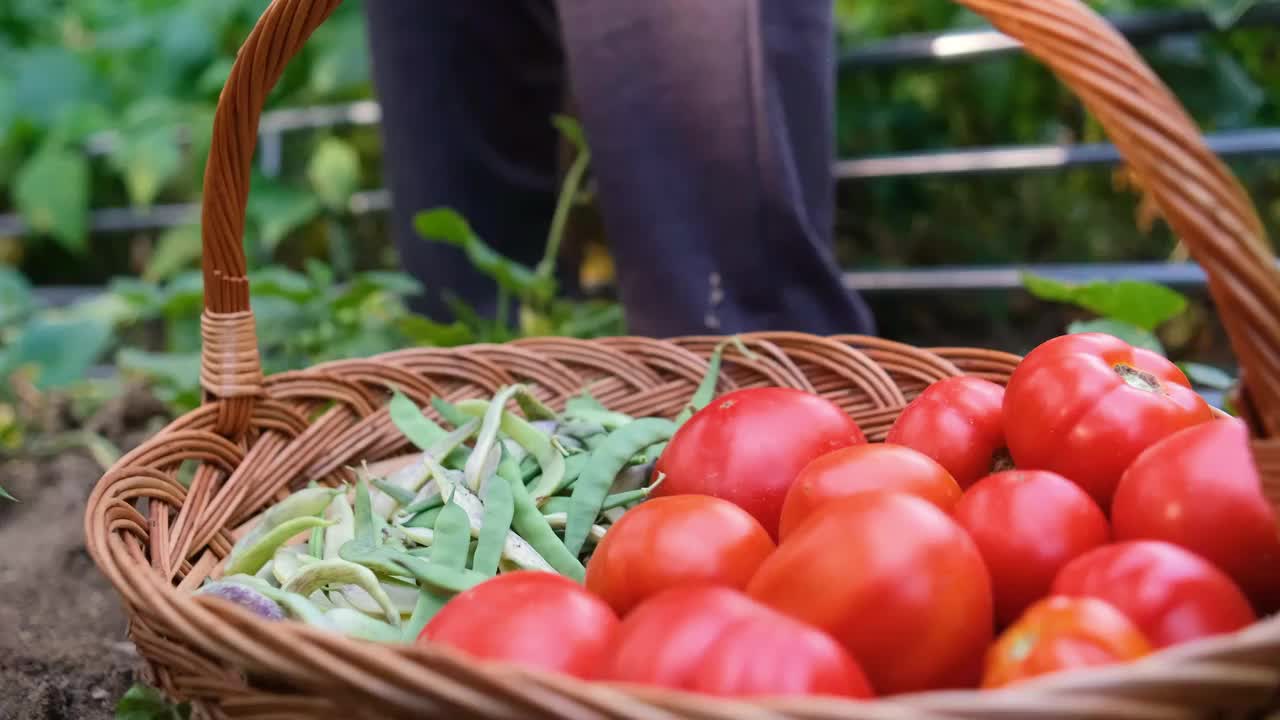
column 863, row 468
column 1028, row 524
column 1085, row 405
column 531, row 618
column 717, row 641
column 1170, row 593
column 957, row 421
column 1062, row 633
column 747, row 446
column 677, row 540
column 896, row 581
column 1199, row 488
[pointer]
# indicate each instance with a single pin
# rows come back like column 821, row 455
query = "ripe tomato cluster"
column 1090, row 512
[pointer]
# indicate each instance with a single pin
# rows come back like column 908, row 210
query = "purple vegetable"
column 246, row 597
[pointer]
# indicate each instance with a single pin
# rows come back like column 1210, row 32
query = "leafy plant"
column 142, row 702
column 1130, row 310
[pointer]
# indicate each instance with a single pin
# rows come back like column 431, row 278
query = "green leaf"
column 1145, row 305
column 1225, row 13
column 282, row 282
column 572, row 131
column 334, row 172
column 1207, row 376
column 145, row 703
column 147, row 160
column 16, row 299
column 171, row 368
column 52, row 193
column 424, row 332
column 1135, row 336
column 176, row 250
column 278, row 209
column 47, row 79
column 343, row 61
column 448, row 226
column 60, row 349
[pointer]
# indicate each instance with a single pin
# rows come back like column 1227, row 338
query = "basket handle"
column 1196, row 193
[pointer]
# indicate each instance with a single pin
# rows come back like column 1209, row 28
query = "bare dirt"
column 64, row 654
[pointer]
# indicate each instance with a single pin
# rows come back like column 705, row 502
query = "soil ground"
column 64, row 653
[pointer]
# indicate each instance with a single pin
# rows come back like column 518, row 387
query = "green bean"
column 422, row 552
column 415, row 477
column 558, row 520
column 573, row 466
column 424, row 536
column 319, row 574
column 448, row 411
column 607, row 419
column 304, row 503
column 499, row 507
column 295, row 605
column 364, row 533
column 561, row 504
column 315, row 544
column 529, row 469
column 397, row 493
column 706, row 391
column 568, row 445
column 481, row 452
column 450, row 539
column 356, row 624
column 581, row 429
column 532, row 407
column 585, row 401
column 533, row 527
column 514, row 548
column 606, row 462
column 424, row 519
column 532, row 440
column 285, row 563
column 343, row 528
column 396, row 563
column 252, row 557
column 412, row 423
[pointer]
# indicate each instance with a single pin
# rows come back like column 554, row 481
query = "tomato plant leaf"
column 1144, row 305
column 52, row 193
column 278, row 209
column 1135, row 336
column 1207, row 376
column 16, row 299
column 446, row 225
column 60, row 349
column 176, row 250
column 334, row 172
column 147, row 160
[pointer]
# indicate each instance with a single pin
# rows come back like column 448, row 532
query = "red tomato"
column 1060, row 633
column 1085, row 405
column 896, row 581
column 1027, row 525
column 862, row 468
column 958, row 422
column 678, row 540
column 716, row 640
column 1200, row 489
column 748, row 445
column 1171, row 594
column 532, row 618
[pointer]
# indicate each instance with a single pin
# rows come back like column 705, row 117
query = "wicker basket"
column 256, row 437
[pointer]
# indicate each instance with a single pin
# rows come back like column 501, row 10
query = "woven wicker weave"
column 256, row 437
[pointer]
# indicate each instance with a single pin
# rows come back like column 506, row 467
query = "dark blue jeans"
column 711, row 129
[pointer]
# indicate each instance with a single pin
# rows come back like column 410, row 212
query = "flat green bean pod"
column 252, row 557
column 317, row 575
column 308, row 502
column 449, row 412
column 409, row 419
column 532, row 440
column 499, row 507
column 559, row 519
column 532, row 526
column 606, row 462
column 451, row 539
column 482, row 451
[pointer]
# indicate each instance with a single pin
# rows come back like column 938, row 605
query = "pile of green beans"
column 490, row 491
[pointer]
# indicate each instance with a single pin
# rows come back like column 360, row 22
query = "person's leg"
column 711, row 129
column 467, row 90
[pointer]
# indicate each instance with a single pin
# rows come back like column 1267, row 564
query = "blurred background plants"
column 108, row 104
